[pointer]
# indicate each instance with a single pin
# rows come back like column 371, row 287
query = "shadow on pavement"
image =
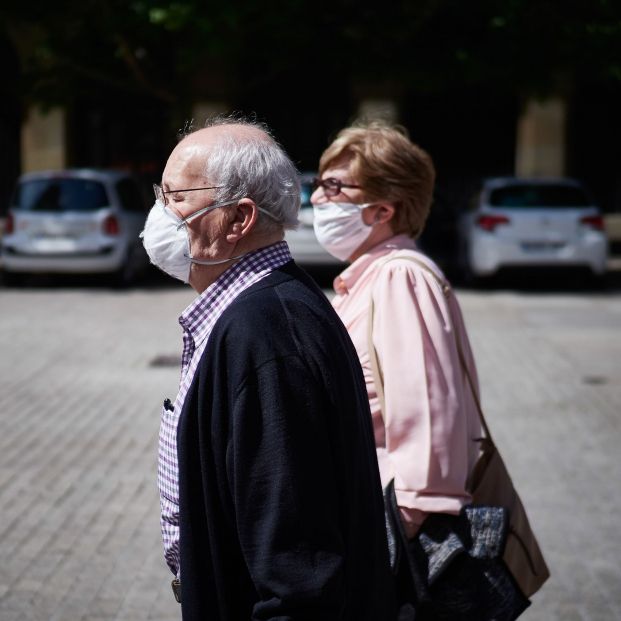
column 524, row 281
column 543, row 280
column 152, row 279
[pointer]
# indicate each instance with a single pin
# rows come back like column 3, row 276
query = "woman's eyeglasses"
column 331, row 187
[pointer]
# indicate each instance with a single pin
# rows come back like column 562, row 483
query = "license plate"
column 55, row 235
column 535, row 246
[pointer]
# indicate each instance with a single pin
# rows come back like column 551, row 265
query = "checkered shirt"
column 197, row 322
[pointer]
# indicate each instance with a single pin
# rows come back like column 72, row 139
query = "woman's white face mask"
column 339, row 227
column 166, row 240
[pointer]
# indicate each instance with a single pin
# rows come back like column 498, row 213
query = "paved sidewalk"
column 79, row 534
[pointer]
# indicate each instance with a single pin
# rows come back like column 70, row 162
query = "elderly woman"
column 371, row 201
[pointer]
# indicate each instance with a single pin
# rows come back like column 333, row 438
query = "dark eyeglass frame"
column 160, row 194
column 331, row 186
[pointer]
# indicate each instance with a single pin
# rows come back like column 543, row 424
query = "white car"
column 305, row 248
column 77, row 221
column 532, row 222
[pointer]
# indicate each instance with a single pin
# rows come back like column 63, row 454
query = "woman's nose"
column 318, row 196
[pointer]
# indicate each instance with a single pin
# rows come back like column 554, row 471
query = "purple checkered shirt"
column 197, row 321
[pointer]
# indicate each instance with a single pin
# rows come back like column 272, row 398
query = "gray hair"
column 256, row 167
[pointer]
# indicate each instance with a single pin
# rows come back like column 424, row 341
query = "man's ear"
column 245, row 215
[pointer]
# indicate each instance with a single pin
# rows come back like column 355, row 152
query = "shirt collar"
column 195, row 318
column 350, row 275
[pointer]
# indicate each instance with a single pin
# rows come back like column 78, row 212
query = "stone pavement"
column 79, row 530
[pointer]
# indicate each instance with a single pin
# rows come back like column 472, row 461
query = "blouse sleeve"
column 426, row 427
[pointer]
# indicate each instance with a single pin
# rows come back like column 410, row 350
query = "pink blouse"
column 427, row 441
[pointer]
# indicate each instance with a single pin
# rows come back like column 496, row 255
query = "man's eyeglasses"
column 160, row 194
column 331, row 187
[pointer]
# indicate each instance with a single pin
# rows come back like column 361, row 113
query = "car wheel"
column 595, row 282
column 13, row 279
column 467, row 277
column 127, row 273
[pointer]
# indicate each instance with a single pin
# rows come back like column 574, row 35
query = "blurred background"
column 489, row 88
column 500, row 89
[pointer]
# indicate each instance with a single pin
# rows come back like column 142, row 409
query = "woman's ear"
column 384, row 213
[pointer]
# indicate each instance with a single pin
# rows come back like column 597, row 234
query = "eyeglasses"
column 160, row 194
column 331, row 187
column 204, row 210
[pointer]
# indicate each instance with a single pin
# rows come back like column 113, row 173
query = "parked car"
column 439, row 238
column 532, row 222
column 75, row 221
column 305, row 248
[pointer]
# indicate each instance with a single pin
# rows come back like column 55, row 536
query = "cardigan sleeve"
column 425, row 423
column 282, row 483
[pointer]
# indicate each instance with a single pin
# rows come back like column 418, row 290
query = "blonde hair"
column 388, row 167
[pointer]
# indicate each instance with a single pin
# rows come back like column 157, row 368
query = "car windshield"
column 305, row 194
column 60, row 195
column 539, row 195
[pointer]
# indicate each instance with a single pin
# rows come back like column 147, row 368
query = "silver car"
column 77, row 221
column 305, row 248
column 532, row 222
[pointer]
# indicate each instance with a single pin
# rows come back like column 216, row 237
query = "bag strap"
column 375, row 366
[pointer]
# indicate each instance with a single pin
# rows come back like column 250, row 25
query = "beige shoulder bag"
column 489, row 483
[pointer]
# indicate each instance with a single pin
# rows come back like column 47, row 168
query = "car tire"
column 127, row 273
column 596, row 282
column 13, row 279
column 466, row 276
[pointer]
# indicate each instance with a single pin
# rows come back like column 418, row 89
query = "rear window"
column 306, row 191
column 130, row 196
column 548, row 195
column 60, row 195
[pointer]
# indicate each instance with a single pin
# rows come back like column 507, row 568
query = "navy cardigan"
column 280, row 498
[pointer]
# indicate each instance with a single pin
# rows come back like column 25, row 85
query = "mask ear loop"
column 364, row 206
column 206, row 210
column 215, row 261
column 184, row 222
column 376, row 219
column 202, row 211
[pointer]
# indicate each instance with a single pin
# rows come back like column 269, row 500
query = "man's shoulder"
column 279, row 318
column 279, row 289
column 284, row 301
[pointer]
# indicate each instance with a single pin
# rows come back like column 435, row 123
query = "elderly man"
column 270, row 494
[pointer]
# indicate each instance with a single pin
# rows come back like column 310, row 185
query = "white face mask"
column 339, row 227
column 165, row 238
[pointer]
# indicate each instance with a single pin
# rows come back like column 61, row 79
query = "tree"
column 176, row 51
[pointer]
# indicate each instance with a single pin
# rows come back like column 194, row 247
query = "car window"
column 130, row 196
column 60, row 195
column 474, row 201
column 539, row 195
column 305, row 194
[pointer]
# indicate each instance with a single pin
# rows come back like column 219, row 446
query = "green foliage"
column 181, row 50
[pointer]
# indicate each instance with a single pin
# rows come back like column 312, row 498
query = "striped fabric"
column 197, row 322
